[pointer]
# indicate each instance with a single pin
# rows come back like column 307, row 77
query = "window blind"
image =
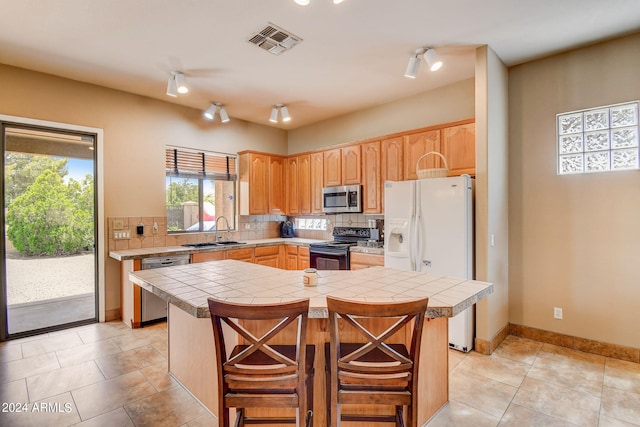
column 180, row 162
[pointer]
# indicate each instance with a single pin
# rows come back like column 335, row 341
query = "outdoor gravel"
column 35, row 278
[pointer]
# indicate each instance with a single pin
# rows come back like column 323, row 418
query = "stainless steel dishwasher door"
column 153, row 308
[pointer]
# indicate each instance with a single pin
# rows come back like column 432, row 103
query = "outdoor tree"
column 21, row 170
column 180, row 191
column 45, row 219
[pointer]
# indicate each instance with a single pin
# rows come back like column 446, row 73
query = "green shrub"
column 44, row 220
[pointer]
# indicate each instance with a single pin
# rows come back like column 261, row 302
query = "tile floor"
column 109, row 375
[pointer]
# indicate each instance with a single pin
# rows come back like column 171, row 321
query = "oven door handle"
column 328, row 252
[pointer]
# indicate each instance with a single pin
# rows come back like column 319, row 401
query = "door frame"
column 99, row 208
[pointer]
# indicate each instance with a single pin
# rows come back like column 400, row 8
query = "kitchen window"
column 598, row 139
column 200, row 187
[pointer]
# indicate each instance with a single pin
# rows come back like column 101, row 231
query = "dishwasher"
column 153, row 308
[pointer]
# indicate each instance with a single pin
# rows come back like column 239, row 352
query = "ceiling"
column 353, row 55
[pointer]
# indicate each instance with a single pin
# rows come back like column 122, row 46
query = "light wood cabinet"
column 304, row 184
column 416, row 145
column 208, row 256
column 277, row 194
column 360, row 260
column 291, row 256
column 268, row 255
column 244, row 254
column 293, row 186
column 332, row 167
column 254, row 184
column 392, row 159
column 351, row 165
column 371, row 178
column 262, row 184
column 459, row 148
column 303, row 258
column 317, row 181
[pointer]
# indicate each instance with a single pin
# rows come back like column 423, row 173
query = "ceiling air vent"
column 274, row 39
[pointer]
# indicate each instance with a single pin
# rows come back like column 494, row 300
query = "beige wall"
column 574, row 240
column 447, row 104
column 136, row 130
column 492, row 260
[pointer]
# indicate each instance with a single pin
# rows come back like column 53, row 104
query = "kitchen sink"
column 211, row 244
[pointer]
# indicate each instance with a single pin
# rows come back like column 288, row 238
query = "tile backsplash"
column 249, row 227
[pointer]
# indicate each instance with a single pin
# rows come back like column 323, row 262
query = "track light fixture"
column 210, row 113
column 306, row 2
column 431, row 58
column 176, row 84
column 284, row 111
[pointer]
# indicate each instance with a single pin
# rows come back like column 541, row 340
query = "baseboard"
column 614, row 351
column 487, row 347
column 113, row 314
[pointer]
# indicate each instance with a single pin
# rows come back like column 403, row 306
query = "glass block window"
column 599, row 139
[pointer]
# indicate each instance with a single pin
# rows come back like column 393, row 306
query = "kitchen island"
column 191, row 348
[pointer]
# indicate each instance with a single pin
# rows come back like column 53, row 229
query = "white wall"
column 446, row 104
column 492, row 261
column 574, row 240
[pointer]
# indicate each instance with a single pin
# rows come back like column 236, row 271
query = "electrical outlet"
column 557, row 313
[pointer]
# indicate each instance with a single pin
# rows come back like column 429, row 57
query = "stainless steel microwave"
column 342, row 199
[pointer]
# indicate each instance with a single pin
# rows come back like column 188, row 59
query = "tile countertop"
column 126, row 254
column 188, row 286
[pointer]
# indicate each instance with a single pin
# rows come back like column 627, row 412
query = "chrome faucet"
column 218, row 236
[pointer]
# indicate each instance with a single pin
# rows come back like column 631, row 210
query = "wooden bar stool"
column 368, row 361
column 263, row 369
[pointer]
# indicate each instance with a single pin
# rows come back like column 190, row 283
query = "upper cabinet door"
column 317, row 181
column 351, row 172
column 293, row 186
column 258, row 184
column 332, row 167
column 392, row 161
column 304, row 184
column 277, row 196
column 416, row 145
column 459, row 148
column 371, row 179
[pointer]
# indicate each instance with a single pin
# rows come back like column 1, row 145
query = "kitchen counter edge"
column 127, row 254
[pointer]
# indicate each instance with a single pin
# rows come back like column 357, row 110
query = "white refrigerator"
column 429, row 228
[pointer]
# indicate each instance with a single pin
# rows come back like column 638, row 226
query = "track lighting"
column 210, row 113
column 176, row 84
column 284, row 111
column 431, row 58
column 306, row 2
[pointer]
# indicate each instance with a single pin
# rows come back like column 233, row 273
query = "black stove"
column 335, row 255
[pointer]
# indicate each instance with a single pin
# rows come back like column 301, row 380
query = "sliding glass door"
column 49, row 251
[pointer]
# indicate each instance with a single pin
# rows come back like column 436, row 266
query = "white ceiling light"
column 306, row 2
column 210, row 113
column 176, row 84
column 172, row 87
column 181, row 83
column 274, row 115
column 433, row 60
column 285, row 114
column 284, row 111
column 412, row 67
column 224, row 117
